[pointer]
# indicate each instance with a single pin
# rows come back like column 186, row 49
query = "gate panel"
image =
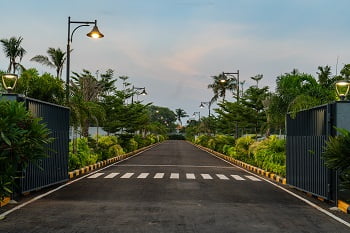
column 54, row 168
column 306, row 137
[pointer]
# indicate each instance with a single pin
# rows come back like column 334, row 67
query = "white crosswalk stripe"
column 95, row 175
column 222, row 177
column 190, row 176
column 236, row 177
column 111, row 175
column 127, row 175
column 158, row 176
column 143, row 176
column 174, row 176
column 162, row 175
column 206, row 176
column 253, row 178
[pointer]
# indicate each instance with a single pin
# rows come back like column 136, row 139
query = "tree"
column 55, row 60
column 43, row 87
column 253, row 99
column 162, row 117
column 324, row 76
column 121, row 117
column 13, row 50
column 220, row 85
column 84, row 104
column 180, row 113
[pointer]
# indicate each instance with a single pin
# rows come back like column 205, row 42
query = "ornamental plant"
column 337, row 156
column 23, row 139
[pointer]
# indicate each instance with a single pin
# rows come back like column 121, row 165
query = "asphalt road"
column 173, row 187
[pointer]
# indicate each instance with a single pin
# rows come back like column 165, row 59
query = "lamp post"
column 199, row 115
column 205, row 103
column 94, row 33
column 9, row 81
column 225, row 74
column 143, row 92
column 342, row 87
column 237, row 93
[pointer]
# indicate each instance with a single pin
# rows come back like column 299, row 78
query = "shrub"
column 270, row 155
column 336, row 156
column 221, row 141
column 83, row 156
column 108, row 147
column 23, row 139
column 242, row 149
column 203, row 140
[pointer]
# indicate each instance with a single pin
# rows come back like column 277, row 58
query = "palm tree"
column 180, row 113
column 257, row 78
column 220, row 85
column 13, row 50
column 55, row 60
column 84, row 104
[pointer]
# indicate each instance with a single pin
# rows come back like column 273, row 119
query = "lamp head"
column 9, row 81
column 143, row 92
column 95, row 33
column 342, row 87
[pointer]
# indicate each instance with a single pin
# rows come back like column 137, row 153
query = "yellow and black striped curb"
column 89, row 168
column 343, row 206
column 247, row 166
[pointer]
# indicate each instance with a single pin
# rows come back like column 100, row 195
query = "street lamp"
column 9, row 81
column 143, row 92
column 199, row 115
column 225, row 74
column 94, row 33
column 205, row 103
column 342, row 87
column 237, row 93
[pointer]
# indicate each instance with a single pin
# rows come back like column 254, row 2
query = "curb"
column 247, row 166
column 5, row 201
column 89, row 168
column 343, row 206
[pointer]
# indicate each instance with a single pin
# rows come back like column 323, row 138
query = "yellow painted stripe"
column 343, row 206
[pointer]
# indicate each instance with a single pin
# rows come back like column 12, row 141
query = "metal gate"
column 54, row 168
column 307, row 135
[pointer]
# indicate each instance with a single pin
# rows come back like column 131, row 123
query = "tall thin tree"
column 56, row 60
column 220, row 85
column 13, row 50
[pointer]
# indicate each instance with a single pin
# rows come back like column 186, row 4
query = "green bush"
column 242, row 149
column 203, row 140
column 337, row 156
column 270, row 155
column 108, row 147
column 223, row 140
column 83, row 156
column 23, row 139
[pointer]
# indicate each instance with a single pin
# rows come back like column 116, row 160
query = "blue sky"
column 172, row 47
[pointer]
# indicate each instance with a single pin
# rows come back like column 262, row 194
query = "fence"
column 307, row 135
column 54, row 168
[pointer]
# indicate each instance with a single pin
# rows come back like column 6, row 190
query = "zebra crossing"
column 172, row 176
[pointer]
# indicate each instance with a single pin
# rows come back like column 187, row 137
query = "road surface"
column 173, row 187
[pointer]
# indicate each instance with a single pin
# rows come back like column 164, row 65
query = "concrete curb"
column 247, row 166
column 100, row 164
column 89, row 168
column 343, row 206
column 5, row 201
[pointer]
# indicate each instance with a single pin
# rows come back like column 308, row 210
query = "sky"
column 173, row 47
